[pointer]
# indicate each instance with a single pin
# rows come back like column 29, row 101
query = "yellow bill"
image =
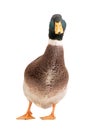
column 58, row 28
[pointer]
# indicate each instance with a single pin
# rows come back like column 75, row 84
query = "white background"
column 24, row 37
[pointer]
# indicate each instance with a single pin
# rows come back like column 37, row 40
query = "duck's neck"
column 54, row 52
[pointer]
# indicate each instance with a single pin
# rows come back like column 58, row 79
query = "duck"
column 46, row 78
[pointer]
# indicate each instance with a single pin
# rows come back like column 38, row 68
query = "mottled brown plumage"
column 51, row 63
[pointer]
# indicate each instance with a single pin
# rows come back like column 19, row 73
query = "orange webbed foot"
column 26, row 116
column 49, row 117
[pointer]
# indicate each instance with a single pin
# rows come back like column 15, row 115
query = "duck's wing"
column 37, row 59
column 31, row 67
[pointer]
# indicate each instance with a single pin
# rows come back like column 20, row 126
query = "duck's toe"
column 49, row 117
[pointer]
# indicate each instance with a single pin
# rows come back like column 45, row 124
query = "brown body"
column 46, row 78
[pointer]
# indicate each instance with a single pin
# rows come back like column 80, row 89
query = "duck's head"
column 56, row 27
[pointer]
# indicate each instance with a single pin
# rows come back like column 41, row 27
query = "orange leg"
column 28, row 114
column 51, row 116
